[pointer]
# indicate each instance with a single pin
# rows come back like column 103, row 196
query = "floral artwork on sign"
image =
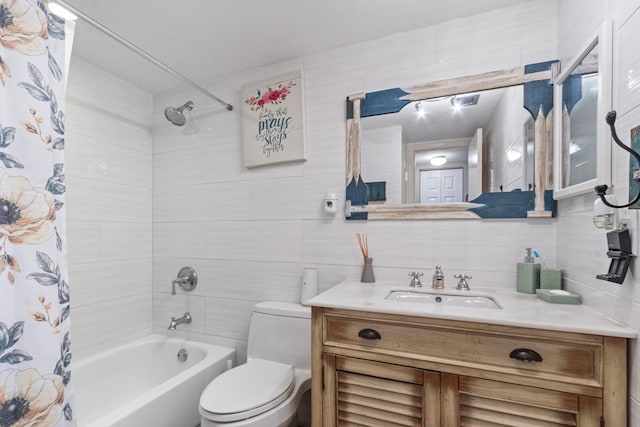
column 273, row 121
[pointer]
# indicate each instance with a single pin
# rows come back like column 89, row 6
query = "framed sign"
column 273, row 121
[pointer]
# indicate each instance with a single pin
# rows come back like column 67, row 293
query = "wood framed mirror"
column 488, row 128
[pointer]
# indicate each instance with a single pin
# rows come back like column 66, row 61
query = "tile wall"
column 109, row 200
column 249, row 233
column 581, row 247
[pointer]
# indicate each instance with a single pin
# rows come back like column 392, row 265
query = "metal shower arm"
column 141, row 52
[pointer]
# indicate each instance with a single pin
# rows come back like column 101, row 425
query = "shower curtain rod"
column 140, row 52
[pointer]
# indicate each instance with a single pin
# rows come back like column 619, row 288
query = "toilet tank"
column 281, row 332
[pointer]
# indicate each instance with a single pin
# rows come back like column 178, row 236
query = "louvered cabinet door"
column 375, row 394
column 485, row 403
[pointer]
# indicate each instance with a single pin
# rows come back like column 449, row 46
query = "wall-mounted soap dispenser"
column 330, row 203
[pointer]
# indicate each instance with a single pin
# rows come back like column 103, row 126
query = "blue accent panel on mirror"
column 572, row 91
column 383, row 102
column 539, row 92
column 513, row 204
column 539, row 66
column 349, row 109
column 358, row 193
column 550, row 204
column 377, row 191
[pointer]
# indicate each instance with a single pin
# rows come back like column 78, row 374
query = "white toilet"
column 265, row 391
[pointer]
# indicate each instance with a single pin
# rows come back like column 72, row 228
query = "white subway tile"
column 84, row 326
column 277, row 241
column 224, row 200
column 94, row 283
column 122, row 165
column 491, row 245
column 125, row 240
column 88, row 199
column 124, row 315
column 179, row 168
column 293, row 198
column 228, row 318
column 83, row 242
column 183, row 239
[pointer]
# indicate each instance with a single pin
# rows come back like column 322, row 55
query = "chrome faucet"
column 179, row 321
column 438, row 278
column 415, row 279
column 462, row 284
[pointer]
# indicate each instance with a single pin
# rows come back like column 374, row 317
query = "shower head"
column 175, row 115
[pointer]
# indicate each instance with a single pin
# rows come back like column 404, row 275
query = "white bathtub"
column 143, row 384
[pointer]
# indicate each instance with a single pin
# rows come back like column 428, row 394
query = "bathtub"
column 144, row 384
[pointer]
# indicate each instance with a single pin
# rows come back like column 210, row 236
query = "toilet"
column 265, row 391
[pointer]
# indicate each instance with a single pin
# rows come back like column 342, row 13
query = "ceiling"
column 205, row 39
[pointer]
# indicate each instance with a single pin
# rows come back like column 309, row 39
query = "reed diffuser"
column 367, row 268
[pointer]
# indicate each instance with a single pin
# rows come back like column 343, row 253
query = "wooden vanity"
column 384, row 369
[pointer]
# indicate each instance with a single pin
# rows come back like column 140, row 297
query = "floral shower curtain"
column 34, row 292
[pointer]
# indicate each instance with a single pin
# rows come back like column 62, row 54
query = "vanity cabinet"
column 374, row 369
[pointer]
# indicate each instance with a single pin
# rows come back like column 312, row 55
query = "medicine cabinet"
column 582, row 143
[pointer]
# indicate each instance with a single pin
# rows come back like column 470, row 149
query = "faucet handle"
column 462, row 284
column 415, row 279
column 187, row 279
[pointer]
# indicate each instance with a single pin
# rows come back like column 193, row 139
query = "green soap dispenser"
column 528, row 274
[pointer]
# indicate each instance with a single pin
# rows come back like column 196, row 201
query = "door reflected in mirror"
column 451, row 149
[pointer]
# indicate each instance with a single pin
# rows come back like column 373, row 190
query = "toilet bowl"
column 265, row 391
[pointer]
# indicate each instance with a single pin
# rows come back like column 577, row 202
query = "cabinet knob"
column 369, row 334
column 526, row 355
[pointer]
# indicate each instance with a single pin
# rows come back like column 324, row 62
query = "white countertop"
column 518, row 309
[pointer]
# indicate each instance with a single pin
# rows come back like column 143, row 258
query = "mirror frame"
column 604, row 40
column 537, row 84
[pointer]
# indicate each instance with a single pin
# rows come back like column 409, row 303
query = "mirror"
column 483, row 130
column 484, row 139
column 581, row 141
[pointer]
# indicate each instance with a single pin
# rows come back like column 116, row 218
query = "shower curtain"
column 34, row 288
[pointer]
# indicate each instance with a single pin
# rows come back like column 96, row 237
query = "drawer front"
column 468, row 347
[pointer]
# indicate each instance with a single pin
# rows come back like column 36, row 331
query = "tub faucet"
column 179, row 321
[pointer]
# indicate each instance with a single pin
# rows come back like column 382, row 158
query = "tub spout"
column 186, row 318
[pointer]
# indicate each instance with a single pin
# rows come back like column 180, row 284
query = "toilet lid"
column 247, row 390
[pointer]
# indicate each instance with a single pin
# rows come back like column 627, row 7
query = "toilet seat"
column 247, row 390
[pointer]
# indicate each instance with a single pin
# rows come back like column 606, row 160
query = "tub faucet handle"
column 187, row 279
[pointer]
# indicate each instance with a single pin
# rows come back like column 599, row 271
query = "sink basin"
column 448, row 299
